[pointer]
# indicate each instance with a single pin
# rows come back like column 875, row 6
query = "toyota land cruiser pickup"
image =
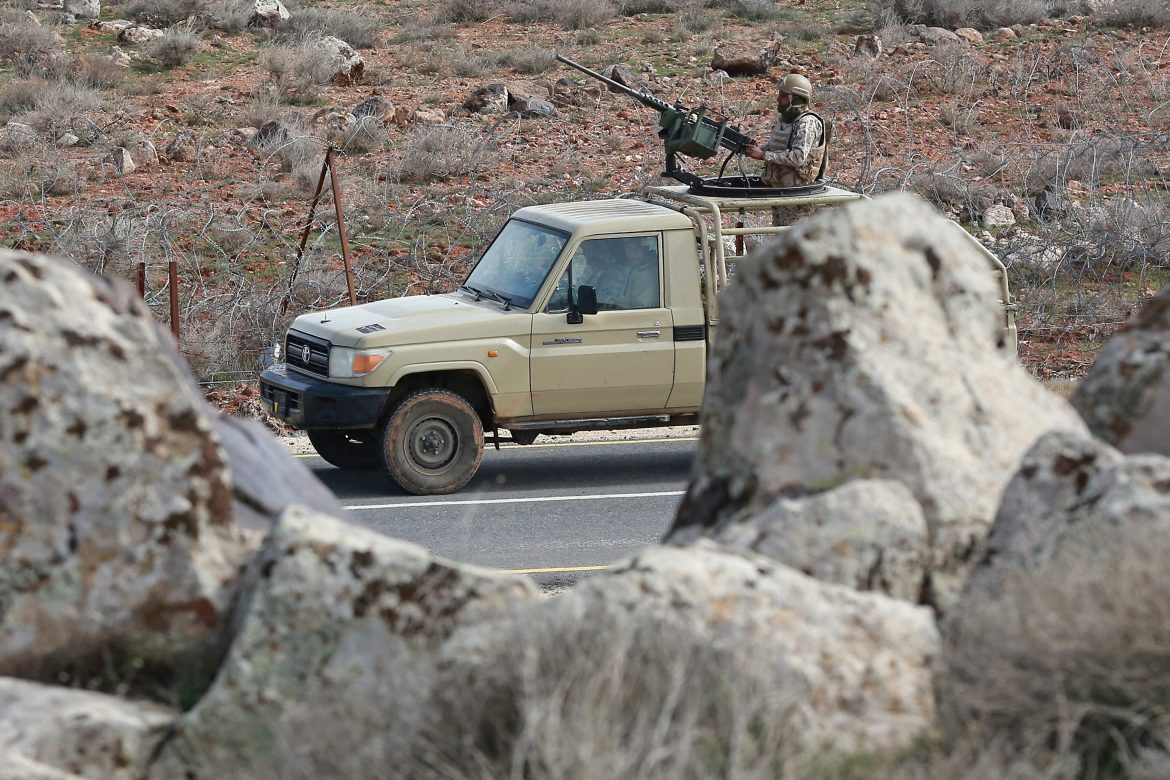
column 578, row 316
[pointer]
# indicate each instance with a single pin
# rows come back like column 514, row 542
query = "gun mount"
column 692, row 132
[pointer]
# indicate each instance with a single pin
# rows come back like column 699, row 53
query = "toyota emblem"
column 305, row 353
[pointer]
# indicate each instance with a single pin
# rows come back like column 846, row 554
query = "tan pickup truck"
column 594, row 315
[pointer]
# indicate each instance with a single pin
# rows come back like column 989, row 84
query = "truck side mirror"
column 587, row 299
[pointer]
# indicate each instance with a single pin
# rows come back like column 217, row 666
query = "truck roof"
column 604, row 216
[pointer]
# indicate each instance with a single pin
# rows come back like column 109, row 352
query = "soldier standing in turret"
column 794, row 152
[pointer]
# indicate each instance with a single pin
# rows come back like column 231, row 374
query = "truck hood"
column 416, row 318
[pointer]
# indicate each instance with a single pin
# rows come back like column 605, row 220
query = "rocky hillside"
column 144, row 131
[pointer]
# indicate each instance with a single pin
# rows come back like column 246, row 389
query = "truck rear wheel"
column 348, row 450
column 432, row 443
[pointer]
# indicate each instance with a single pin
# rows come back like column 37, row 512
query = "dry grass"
column 443, row 152
column 176, row 47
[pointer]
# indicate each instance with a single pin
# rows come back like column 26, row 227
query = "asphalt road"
column 556, row 511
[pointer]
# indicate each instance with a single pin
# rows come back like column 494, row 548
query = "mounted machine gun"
column 686, row 131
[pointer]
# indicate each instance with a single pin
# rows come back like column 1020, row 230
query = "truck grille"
column 307, row 353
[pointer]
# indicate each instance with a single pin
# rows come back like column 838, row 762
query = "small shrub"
column 424, row 33
column 358, row 29
column 632, row 7
column 984, row 14
column 653, row 37
column 229, row 16
column 570, row 14
column 161, row 13
column 176, row 46
column 755, row 10
column 1139, row 13
column 588, row 38
column 60, row 105
column 98, row 71
column 300, row 71
column 26, row 46
column 37, row 175
column 442, row 152
column 468, row 62
column 366, row 135
column 528, row 60
column 465, row 11
column 20, row 95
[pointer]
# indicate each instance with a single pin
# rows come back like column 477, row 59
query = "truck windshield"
column 516, row 264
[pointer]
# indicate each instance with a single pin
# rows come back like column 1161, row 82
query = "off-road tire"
column 432, row 443
column 348, row 450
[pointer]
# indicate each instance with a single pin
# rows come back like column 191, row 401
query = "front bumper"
column 307, row 403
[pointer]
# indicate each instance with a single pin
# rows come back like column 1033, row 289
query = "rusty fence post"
column 338, row 210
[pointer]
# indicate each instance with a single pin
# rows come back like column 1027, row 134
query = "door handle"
column 649, row 334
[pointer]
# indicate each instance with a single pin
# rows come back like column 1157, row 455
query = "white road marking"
column 533, row 500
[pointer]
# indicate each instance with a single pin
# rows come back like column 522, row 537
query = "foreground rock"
column 1126, row 396
column 866, row 534
column 48, row 732
column 862, row 344
column 1063, row 623
column 333, row 662
column 121, row 493
column 684, row 656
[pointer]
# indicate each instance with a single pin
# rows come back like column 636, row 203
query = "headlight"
column 347, row 362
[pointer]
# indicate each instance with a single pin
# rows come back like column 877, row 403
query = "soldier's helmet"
column 797, row 85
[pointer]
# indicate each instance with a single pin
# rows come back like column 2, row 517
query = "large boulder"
column 740, row 60
column 684, row 659
column 86, row 9
column 1126, row 396
column 333, row 660
column 122, row 495
column 266, row 13
column 1062, row 625
column 347, row 65
column 50, row 732
column 867, row 534
column 866, row 343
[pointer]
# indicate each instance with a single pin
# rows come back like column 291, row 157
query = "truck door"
column 620, row 360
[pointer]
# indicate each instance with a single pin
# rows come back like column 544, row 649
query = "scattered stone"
column 428, row 115
column 998, row 216
column 533, row 107
column 1049, row 204
column 145, row 155
column 50, row 5
column 375, row 107
column 31, row 18
column 1125, row 398
column 740, row 60
column 112, row 25
column 969, row 34
column 816, row 380
column 86, row 9
column 182, row 147
column 267, row 13
column 138, row 35
column 716, row 78
column 866, row 534
column 622, row 74
column 1004, row 34
column 68, row 140
column 934, row 35
column 490, row 99
column 1019, row 207
column 348, row 66
column 868, row 45
column 119, row 58
column 18, row 135
column 273, row 132
column 53, row 733
column 244, row 134
column 121, row 161
column 1033, row 252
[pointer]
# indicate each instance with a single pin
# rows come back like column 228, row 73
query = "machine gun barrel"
column 644, row 98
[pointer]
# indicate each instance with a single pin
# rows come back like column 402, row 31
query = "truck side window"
column 624, row 271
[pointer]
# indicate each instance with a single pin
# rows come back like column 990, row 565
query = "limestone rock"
column 490, row 99
column 624, row 75
column 740, row 60
column 335, row 652
column 119, row 58
column 1069, row 591
column 1125, row 398
column 86, row 9
column 866, row 534
column 139, row 35
column 969, row 34
column 533, row 106
column 64, row 732
column 267, row 13
column 181, row 148
column 111, row 25
column 428, row 115
column 18, row 135
column 1004, row 34
column 121, row 161
column 716, row 78
column 347, row 65
column 862, row 344
column 67, row 140
column 869, row 45
column 998, row 216
column 145, row 155
column 727, row 635
column 117, row 539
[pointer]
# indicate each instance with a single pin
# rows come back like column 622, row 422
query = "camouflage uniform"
column 792, row 158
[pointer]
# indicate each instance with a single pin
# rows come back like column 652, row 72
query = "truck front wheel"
column 348, row 450
column 432, row 443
